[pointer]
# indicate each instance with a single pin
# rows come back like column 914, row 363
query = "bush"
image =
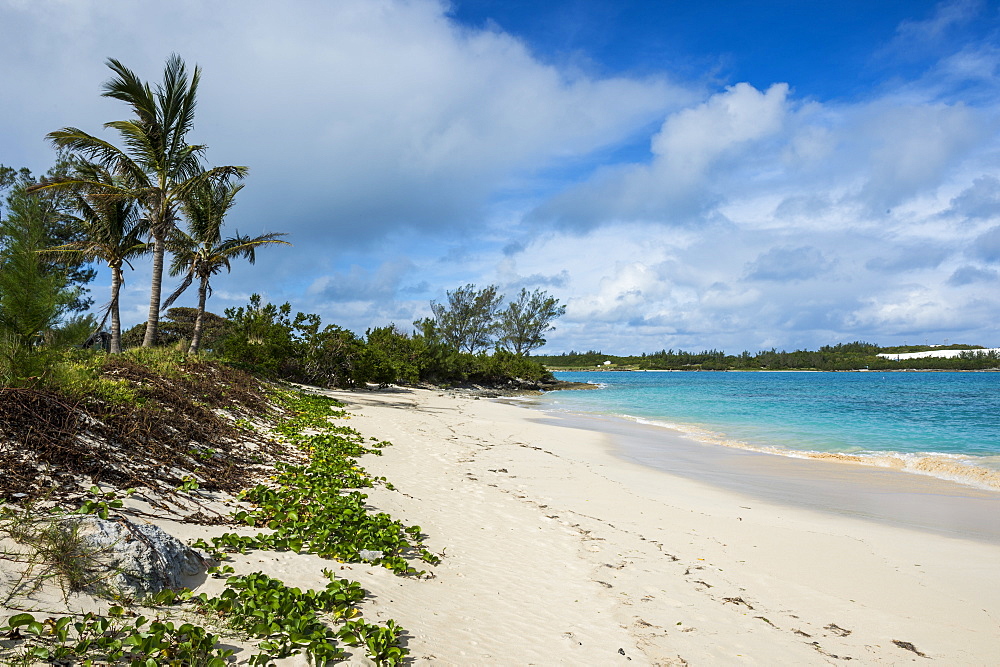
column 331, row 357
column 265, row 339
column 259, row 338
column 502, row 366
column 391, row 356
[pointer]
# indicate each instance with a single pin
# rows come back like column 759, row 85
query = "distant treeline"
column 840, row 357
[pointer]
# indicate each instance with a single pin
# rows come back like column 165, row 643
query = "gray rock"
column 137, row 559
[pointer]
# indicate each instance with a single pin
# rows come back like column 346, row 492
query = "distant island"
column 841, row 357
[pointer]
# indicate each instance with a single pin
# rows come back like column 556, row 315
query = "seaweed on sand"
column 191, row 423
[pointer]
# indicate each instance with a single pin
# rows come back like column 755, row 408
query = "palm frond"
column 140, row 142
column 188, row 279
column 129, row 89
column 98, row 150
column 244, row 246
column 177, row 98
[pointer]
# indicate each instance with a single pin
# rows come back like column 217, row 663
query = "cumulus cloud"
column 915, row 310
column 692, row 139
column 330, row 103
column 912, row 148
column 690, row 145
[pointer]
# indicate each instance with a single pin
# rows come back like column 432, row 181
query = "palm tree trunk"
column 199, row 319
column 153, row 318
column 116, row 323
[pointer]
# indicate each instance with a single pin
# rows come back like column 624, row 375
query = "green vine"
column 114, row 640
column 310, row 508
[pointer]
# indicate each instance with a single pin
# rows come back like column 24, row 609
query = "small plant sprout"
column 100, row 502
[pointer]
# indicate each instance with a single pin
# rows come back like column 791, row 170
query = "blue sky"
column 738, row 175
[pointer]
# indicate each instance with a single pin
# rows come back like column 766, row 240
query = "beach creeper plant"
column 101, row 502
column 282, row 621
column 290, row 621
column 287, row 619
column 114, row 639
column 311, row 507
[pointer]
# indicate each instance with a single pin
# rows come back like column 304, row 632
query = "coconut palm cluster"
column 152, row 193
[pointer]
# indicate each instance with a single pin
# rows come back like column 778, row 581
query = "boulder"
column 136, row 559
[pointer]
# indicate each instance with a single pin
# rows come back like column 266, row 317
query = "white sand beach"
column 558, row 552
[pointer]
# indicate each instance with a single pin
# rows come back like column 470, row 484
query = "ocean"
column 946, row 425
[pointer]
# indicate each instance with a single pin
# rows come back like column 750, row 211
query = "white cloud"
column 330, row 103
column 913, row 148
column 692, row 139
column 678, row 181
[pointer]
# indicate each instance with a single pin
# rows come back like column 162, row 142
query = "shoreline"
column 554, row 369
column 823, row 482
column 967, row 470
column 557, row 551
column 964, row 470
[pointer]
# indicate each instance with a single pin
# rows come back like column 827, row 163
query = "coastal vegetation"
column 313, row 505
column 190, row 404
column 472, row 320
column 158, row 169
column 841, row 357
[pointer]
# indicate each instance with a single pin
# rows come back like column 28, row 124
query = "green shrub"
column 259, row 338
column 391, row 356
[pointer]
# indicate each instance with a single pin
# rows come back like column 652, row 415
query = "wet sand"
column 884, row 495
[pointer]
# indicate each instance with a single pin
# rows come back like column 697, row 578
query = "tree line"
column 450, row 347
column 841, row 357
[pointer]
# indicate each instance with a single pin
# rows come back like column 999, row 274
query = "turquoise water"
column 902, row 416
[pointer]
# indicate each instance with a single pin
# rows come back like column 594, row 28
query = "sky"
column 723, row 174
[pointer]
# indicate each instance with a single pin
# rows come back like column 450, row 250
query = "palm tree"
column 114, row 230
column 157, row 167
column 203, row 252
